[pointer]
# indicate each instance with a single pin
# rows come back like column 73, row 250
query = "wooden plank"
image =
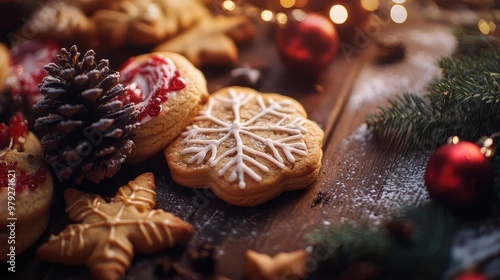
column 280, row 224
column 359, row 180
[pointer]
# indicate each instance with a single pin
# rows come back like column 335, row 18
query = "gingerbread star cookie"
column 107, row 234
column 248, row 147
column 211, row 41
column 280, row 267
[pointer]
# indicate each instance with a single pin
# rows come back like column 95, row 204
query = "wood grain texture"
column 360, row 180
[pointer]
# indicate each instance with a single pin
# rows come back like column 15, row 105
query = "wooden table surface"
column 361, row 180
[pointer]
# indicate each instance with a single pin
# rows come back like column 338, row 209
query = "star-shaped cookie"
column 212, row 41
column 282, row 266
column 107, row 234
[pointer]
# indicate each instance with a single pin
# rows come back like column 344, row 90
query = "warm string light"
column 338, row 13
column 228, row 5
column 486, row 26
column 287, row 3
column 370, row 5
column 399, row 13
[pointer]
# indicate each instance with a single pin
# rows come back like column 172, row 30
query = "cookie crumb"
column 321, row 198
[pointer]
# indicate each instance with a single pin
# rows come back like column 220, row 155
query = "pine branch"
column 342, row 245
column 473, row 43
column 414, row 245
column 465, row 102
column 405, row 115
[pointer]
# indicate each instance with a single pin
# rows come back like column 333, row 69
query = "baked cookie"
column 145, row 23
column 15, row 135
column 26, row 71
column 4, row 64
column 248, row 147
column 106, row 235
column 212, row 41
column 25, row 194
column 109, row 25
column 283, row 266
column 168, row 92
column 112, row 24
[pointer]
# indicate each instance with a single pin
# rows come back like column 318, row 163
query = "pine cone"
column 86, row 130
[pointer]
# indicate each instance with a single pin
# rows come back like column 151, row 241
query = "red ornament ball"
column 307, row 42
column 471, row 276
column 458, row 174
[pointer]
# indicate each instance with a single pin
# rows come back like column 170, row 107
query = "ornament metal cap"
column 487, row 144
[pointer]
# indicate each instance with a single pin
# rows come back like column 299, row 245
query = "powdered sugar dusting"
column 425, row 44
column 362, row 134
column 394, row 183
column 475, row 244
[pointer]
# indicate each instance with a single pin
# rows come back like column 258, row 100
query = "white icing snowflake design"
column 239, row 162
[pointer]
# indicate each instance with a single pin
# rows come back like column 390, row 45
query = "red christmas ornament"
column 471, row 276
column 458, row 174
column 307, row 42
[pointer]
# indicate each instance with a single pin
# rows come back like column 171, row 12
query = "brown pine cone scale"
column 86, row 130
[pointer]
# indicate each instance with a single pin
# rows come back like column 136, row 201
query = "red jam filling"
column 23, row 181
column 17, row 130
column 26, row 70
column 149, row 84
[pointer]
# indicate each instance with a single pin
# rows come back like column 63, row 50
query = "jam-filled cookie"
column 25, row 188
column 168, row 91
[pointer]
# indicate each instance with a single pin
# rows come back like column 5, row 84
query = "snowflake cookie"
column 248, row 147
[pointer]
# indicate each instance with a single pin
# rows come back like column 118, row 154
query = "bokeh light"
column 298, row 15
column 300, row 3
column 266, row 15
column 338, row 14
column 493, row 26
column 486, row 27
column 281, row 18
column 370, row 5
column 399, row 1
column 287, row 3
column 228, row 5
column 399, row 14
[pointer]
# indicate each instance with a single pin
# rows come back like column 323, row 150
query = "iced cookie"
column 168, row 92
column 26, row 71
column 106, row 234
column 248, row 147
